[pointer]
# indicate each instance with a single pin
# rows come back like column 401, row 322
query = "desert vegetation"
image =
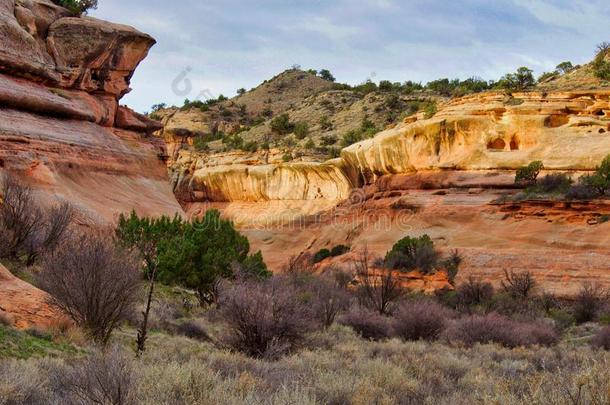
column 561, row 185
column 77, row 6
column 306, row 337
column 165, row 310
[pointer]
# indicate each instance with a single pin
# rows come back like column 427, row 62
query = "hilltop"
column 296, row 115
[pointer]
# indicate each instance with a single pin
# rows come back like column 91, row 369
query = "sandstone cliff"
column 567, row 131
column 439, row 176
column 489, row 131
column 61, row 79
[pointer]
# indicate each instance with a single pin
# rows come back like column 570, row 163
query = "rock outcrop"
column 61, row 79
column 24, row 305
column 441, row 176
column 491, row 131
column 567, row 131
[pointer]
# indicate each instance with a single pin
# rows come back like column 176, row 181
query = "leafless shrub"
column 343, row 278
column 368, row 323
column 265, row 319
column 378, row 290
column 518, row 285
column 589, row 301
column 26, row 227
column 193, row 330
column 104, row 378
column 93, row 281
column 474, row 292
column 56, row 224
column 602, row 339
column 300, row 265
column 548, row 302
column 163, row 316
column 19, row 215
column 6, row 244
column 495, row 328
column 421, row 319
column 22, row 383
column 327, row 300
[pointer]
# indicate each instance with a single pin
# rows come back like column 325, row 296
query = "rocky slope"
column 61, row 79
column 441, row 176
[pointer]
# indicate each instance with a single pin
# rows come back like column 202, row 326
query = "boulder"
column 24, row 305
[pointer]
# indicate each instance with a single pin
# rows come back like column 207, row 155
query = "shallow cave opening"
column 1, row 162
column 514, row 143
column 497, row 144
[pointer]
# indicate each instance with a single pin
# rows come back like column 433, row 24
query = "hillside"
column 437, row 172
column 294, row 116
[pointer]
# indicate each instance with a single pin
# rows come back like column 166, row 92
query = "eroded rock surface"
column 61, row 79
column 24, row 305
column 442, row 177
column 490, row 131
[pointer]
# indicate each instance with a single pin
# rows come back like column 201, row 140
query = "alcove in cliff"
column 497, row 144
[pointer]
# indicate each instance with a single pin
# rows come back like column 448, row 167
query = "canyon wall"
column 490, row 131
column 61, row 125
column 445, row 176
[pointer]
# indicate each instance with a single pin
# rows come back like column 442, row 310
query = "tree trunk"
column 143, row 330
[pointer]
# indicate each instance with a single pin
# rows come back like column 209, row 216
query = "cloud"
column 230, row 44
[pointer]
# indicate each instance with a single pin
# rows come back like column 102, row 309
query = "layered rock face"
column 490, row 131
column 567, row 131
column 440, row 176
column 61, row 79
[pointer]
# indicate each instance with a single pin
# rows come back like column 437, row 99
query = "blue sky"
column 212, row 47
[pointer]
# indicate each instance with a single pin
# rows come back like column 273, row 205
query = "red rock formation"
column 61, row 79
column 25, row 305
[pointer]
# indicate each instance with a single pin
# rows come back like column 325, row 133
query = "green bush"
column 281, row 125
column 333, row 152
column 310, row 144
column 601, row 179
column 339, row 250
column 233, row 141
column 192, row 254
column 321, row 255
column 430, row 110
column 301, row 130
column 601, row 66
column 250, row 146
column 367, row 130
column 413, row 254
column 529, row 174
column 325, row 123
column 565, row 67
column 547, row 76
column 326, row 75
column 77, row 7
column 518, row 81
column 552, row 183
column 328, row 140
column 200, row 144
column 594, row 185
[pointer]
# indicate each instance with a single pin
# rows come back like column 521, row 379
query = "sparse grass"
column 339, row 368
column 23, row 345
